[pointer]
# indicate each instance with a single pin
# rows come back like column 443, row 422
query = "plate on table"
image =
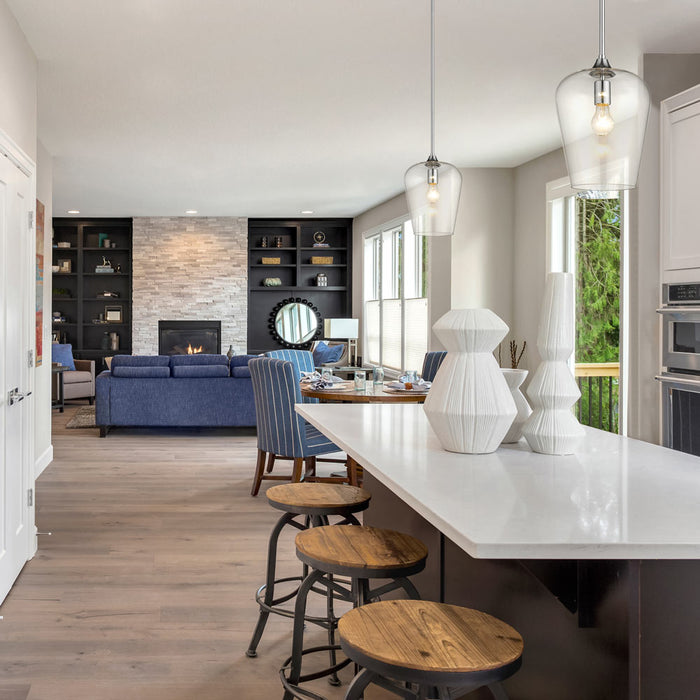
column 345, row 386
column 396, row 388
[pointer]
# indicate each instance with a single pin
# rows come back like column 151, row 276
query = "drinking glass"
column 412, row 376
column 327, row 374
column 360, row 380
column 378, row 375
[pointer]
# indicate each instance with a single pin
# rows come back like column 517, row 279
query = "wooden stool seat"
column 318, row 498
column 361, row 552
column 431, row 644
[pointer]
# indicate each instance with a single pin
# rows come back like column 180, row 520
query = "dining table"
column 345, row 392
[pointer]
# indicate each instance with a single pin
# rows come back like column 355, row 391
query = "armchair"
column 78, row 379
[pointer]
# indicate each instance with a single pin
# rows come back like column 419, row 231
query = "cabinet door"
column 680, row 182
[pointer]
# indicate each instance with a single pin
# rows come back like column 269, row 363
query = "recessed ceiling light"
column 307, row 211
column 191, row 211
column 74, row 211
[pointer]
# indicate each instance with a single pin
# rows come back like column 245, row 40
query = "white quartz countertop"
column 616, row 498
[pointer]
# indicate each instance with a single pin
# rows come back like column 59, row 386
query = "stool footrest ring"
column 330, row 671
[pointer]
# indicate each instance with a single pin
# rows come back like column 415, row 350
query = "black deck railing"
column 599, row 383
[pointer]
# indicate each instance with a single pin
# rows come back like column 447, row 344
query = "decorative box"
column 271, row 261
column 272, row 282
column 321, row 259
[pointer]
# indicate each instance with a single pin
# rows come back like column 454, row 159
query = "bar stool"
column 431, row 645
column 359, row 553
column 316, row 502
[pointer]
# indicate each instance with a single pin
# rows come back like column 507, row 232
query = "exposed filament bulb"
column 602, row 122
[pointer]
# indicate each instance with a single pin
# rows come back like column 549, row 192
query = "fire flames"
column 194, row 351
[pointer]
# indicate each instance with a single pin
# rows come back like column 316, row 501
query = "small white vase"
column 514, row 378
column 469, row 405
column 552, row 428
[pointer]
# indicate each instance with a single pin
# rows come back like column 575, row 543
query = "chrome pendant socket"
column 601, row 92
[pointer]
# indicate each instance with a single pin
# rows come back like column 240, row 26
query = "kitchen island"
column 593, row 557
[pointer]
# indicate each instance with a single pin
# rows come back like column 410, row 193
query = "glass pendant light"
column 433, row 187
column 603, row 116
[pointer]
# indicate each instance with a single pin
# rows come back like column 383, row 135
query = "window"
column 587, row 237
column 395, row 297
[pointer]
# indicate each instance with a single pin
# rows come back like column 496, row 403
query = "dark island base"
column 593, row 630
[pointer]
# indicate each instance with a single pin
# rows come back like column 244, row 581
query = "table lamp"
column 343, row 329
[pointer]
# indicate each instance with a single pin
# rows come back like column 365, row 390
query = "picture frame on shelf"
column 65, row 266
column 113, row 314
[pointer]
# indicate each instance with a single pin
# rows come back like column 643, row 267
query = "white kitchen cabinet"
column 680, row 181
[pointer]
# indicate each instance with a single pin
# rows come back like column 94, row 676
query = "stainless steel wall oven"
column 680, row 376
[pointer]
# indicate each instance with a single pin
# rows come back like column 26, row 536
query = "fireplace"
column 189, row 337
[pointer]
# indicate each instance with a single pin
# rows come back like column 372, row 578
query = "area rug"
column 84, row 418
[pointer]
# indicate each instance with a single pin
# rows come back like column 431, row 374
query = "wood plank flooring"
column 145, row 589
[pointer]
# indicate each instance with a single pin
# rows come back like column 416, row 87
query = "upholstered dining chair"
column 431, row 364
column 281, row 431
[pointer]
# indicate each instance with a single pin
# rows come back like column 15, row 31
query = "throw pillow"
column 62, row 353
column 324, row 354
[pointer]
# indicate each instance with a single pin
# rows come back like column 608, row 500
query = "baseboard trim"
column 43, row 461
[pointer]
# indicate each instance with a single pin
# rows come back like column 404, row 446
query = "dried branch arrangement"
column 516, row 356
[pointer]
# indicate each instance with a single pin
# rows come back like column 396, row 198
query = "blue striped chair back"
column 431, row 364
column 276, row 390
column 303, row 361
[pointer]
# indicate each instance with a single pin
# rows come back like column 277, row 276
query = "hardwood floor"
column 145, row 589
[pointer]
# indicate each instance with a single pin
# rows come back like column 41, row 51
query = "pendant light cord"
column 601, row 61
column 432, row 81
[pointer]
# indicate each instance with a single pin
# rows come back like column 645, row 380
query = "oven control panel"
column 681, row 293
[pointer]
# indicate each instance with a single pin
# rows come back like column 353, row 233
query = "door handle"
column 15, row 396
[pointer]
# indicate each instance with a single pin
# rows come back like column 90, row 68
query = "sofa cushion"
column 241, row 361
column 240, row 372
column 121, row 371
column 200, row 371
column 198, row 359
column 76, row 377
column 324, row 353
column 140, row 361
column 62, row 353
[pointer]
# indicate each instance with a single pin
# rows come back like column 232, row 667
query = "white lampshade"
column 609, row 159
column 341, row 328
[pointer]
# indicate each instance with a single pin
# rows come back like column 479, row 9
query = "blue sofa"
column 175, row 391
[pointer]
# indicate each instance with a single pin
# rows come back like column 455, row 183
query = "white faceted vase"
column 552, row 428
column 469, row 405
column 514, row 378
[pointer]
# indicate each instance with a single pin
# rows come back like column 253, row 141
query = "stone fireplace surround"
column 190, row 268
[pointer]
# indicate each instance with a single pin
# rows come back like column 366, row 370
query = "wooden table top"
column 374, row 393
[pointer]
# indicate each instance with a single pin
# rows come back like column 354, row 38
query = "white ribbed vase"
column 469, row 405
column 514, row 378
column 552, row 428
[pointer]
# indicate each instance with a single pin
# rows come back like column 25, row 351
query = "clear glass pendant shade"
column 432, row 193
column 603, row 116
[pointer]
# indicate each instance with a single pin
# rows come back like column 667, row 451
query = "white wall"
column 529, row 247
column 43, row 450
column 482, row 246
column 17, row 84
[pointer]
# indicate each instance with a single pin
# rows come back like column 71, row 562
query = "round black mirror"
column 295, row 323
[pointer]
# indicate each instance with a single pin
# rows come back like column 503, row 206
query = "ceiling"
column 269, row 107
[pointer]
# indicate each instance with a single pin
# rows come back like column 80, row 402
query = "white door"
column 17, row 531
